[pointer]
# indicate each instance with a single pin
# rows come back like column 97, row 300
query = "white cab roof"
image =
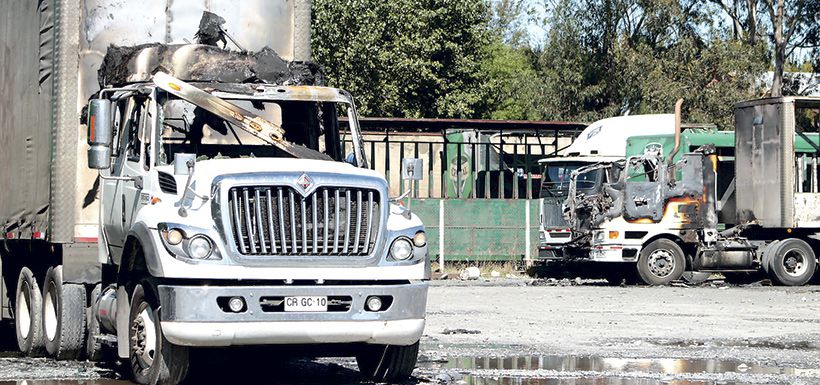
column 607, row 137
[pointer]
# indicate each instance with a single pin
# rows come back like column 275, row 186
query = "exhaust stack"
column 677, row 133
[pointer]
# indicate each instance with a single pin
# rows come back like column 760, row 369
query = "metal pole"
column 415, row 183
column 515, row 179
column 430, row 170
column 472, row 170
column 487, row 172
column 441, row 235
column 401, row 159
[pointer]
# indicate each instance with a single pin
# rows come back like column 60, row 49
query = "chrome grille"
column 277, row 220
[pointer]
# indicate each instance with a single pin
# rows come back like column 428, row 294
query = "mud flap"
column 123, row 312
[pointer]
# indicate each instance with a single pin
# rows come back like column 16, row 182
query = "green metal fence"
column 479, row 196
column 479, row 229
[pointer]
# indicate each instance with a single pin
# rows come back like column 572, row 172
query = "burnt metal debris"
column 203, row 63
column 210, row 29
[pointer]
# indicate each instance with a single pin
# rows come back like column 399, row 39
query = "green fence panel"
column 427, row 210
column 479, row 229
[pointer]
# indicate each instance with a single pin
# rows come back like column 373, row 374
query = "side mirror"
column 99, row 134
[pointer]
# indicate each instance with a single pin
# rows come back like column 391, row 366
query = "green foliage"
column 406, row 58
column 599, row 58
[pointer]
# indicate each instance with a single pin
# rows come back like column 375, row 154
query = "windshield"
column 187, row 128
column 556, row 177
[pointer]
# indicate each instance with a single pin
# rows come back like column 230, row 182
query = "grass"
column 506, row 268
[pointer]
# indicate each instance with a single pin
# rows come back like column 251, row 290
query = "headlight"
column 599, row 237
column 200, row 247
column 420, row 239
column 401, row 249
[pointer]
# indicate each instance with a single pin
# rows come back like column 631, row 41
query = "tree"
column 792, row 26
column 406, row 58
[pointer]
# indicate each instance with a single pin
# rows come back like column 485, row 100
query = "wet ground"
column 508, row 332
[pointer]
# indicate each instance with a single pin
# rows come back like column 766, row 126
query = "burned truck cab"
column 229, row 216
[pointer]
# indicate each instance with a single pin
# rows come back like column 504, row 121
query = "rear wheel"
column 661, row 262
column 153, row 360
column 28, row 315
column 63, row 316
column 387, row 363
column 792, row 262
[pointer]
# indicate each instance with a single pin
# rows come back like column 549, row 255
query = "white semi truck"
column 161, row 196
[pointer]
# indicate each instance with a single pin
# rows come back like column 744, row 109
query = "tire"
column 28, row 315
column 93, row 347
column 661, row 262
column 153, row 360
column 792, row 262
column 387, row 363
column 63, row 316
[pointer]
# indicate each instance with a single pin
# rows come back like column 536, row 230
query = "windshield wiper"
column 248, row 121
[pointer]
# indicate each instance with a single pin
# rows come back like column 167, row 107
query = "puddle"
column 584, row 381
column 584, row 370
column 599, row 364
column 99, row 381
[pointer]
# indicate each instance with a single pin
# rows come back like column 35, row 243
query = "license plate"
column 304, row 303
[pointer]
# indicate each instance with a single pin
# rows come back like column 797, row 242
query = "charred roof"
column 203, row 63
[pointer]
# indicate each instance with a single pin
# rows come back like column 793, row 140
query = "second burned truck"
column 661, row 216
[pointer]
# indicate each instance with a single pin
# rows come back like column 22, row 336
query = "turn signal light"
column 614, row 234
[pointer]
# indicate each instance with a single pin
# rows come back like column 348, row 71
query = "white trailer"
column 213, row 206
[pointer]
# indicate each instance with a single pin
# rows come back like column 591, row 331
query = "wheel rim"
column 794, row 262
column 144, row 336
column 50, row 313
column 661, row 263
column 23, row 311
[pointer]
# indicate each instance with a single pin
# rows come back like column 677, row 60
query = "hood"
column 607, row 137
column 206, row 171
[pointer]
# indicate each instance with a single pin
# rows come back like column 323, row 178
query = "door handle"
column 122, row 218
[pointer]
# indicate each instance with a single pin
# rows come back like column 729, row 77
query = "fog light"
column 174, row 236
column 374, row 304
column 236, row 304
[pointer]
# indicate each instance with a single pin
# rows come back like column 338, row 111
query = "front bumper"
column 611, row 253
column 192, row 315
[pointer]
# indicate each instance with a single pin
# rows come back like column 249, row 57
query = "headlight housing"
column 401, row 249
column 187, row 243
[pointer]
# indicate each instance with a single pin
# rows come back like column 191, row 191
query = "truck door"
column 121, row 197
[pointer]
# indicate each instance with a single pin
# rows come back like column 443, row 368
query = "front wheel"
column 661, row 262
column 153, row 360
column 387, row 363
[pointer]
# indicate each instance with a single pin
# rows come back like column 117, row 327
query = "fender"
column 140, row 236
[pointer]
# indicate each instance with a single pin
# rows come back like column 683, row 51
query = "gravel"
column 578, row 333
